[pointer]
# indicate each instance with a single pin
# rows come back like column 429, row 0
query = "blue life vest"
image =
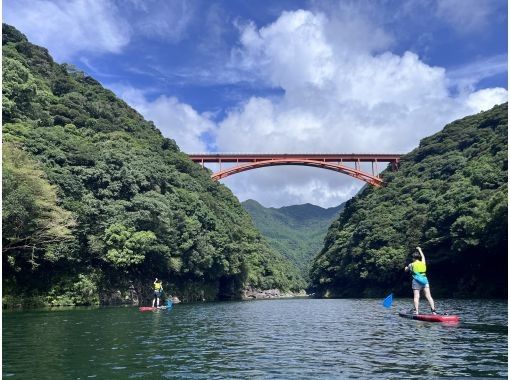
column 418, row 271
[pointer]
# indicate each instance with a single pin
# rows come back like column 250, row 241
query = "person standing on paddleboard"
column 418, row 270
column 158, row 291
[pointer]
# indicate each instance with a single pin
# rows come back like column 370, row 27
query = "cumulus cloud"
column 336, row 99
column 278, row 50
column 174, row 119
column 487, row 98
column 66, row 27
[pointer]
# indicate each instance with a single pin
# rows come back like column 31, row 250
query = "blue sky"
column 285, row 76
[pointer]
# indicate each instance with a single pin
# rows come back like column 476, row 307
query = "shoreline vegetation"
column 248, row 294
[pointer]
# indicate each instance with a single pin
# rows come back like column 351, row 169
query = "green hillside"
column 96, row 202
column 449, row 197
column 296, row 232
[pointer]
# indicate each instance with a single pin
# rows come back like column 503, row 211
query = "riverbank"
column 252, row 293
column 130, row 297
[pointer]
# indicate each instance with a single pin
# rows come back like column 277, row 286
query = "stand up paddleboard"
column 150, row 308
column 431, row 317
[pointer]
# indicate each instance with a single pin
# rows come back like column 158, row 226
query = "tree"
column 125, row 246
column 33, row 222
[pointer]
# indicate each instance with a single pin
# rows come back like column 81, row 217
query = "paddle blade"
column 169, row 304
column 388, row 301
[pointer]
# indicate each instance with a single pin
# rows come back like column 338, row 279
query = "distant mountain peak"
column 296, row 231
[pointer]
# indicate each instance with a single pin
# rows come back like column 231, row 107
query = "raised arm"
column 422, row 255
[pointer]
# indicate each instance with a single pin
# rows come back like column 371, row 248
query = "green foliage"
column 296, row 232
column 125, row 246
column 449, row 197
column 34, row 225
column 123, row 201
column 82, row 290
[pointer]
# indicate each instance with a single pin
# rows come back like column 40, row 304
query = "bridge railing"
column 338, row 158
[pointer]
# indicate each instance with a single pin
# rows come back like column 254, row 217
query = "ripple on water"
column 261, row 339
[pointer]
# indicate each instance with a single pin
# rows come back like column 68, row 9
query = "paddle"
column 388, row 301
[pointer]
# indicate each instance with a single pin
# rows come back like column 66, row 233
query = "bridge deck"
column 324, row 157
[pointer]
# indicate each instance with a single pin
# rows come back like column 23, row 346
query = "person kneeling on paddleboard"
column 158, row 290
column 418, row 270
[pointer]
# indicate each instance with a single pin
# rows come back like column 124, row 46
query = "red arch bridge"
column 350, row 164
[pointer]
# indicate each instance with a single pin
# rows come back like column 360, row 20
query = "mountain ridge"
column 295, row 231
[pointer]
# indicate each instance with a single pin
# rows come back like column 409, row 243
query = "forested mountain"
column 449, row 197
column 96, row 202
column 297, row 232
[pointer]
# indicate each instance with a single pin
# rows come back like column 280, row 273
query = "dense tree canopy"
column 34, row 226
column 96, row 201
column 450, row 197
column 296, row 232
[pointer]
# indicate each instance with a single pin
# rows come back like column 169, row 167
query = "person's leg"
column 428, row 296
column 157, row 301
column 416, row 299
column 153, row 300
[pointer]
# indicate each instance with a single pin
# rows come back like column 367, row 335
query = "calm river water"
column 282, row 339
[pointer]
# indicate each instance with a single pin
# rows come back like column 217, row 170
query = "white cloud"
column 485, row 99
column 467, row 76
column 167, row 20
column 353, row 26
column 67, row 27
column 70, row 27
column 174, row 119
column 291, row 185
column 278, row 49
column 337, row 99
column 468, row 16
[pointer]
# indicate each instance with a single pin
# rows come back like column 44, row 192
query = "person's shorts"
column 157, row 294
column 417, row 286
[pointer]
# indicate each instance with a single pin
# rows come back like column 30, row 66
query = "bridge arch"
column 373, row 180
column 334, row 162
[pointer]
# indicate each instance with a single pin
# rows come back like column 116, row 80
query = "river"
column 266, row 339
